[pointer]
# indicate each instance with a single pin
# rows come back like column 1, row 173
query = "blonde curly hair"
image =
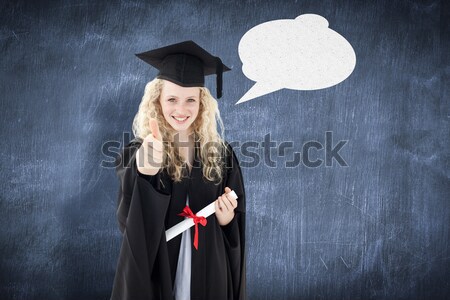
column 212, row 146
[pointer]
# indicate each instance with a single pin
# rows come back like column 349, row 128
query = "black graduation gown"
column 148, row 205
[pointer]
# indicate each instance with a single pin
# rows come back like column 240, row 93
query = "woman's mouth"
column 180, row 120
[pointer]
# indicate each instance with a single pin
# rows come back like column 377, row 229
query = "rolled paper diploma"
column 188, row 223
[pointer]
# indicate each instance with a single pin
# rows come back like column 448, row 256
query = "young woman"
column 178, row 163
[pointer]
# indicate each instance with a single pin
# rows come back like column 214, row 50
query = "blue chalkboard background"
column 375, row 229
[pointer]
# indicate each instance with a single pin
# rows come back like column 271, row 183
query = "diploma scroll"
column 188, row 223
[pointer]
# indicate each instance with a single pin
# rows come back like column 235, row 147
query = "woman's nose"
column 181, row 105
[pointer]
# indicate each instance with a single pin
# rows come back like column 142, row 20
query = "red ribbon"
column 187, row 212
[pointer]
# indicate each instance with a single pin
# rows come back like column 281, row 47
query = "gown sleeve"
column 234, row 232
column 141, row 211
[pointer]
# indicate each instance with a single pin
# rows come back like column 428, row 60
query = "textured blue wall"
column 378, row 228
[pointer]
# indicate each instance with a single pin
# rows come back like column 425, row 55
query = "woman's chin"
column 180, row 127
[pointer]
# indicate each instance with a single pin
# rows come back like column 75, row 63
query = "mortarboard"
column 185, row 64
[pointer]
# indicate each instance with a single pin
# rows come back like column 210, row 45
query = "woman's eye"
column 171, row 100
column 191, row 100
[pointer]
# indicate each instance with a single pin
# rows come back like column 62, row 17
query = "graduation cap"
column 185, row 64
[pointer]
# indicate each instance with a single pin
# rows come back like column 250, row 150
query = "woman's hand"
column 225, row 206
column 149, row 156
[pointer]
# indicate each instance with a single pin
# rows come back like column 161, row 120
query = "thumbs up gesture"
column 149, row 157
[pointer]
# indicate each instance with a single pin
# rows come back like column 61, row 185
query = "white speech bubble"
column 299, row 54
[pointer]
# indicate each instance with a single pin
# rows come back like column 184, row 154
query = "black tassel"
column 219, row 71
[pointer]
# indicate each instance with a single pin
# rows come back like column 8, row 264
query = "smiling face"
column 180, row 106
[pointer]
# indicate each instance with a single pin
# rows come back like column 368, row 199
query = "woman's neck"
column 183, row 138
column 186, row 148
